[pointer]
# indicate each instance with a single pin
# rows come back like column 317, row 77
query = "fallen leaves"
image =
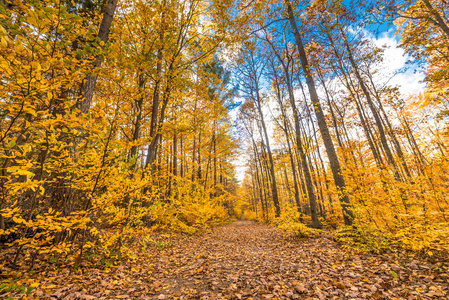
column 300, row 288
column 246, row 260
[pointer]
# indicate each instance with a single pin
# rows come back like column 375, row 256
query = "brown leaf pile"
column 246, row 260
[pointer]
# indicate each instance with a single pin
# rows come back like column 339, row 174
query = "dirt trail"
column 246, row 260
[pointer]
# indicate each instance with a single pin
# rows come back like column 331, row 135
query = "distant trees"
column 251, row 73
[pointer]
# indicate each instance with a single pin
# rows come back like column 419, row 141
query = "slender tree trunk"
column 199, row 158
column 155, row 123
column 270, row 155
column 175, row 164
column 209, row 161
column 215, row 160
column 156, row 134
column 137, row 123
column 181, row 165
column 309, row 182
column 254, row 188
column 332, row 155
column 437, row 17
column 287, row 183
column 168, row 172
column 194, row 169
column 87, row 90
column 295, row 179
column 304, row 164
column 261, row 182
column 390, row 130
column 334, row 119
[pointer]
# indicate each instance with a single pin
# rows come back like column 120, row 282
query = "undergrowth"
column 290, row 221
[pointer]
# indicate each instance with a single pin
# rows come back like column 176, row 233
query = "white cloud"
column 395, row 58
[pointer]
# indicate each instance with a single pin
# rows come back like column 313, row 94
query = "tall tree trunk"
column 287, row 183
column 155, row 123
column 137, row 123
column 199, row 158
column 88, row 87
column 168, row 172
column 304, row 160
column 156, row 134
column 270, row 155
column 260, row 179
column 285, row 68
column 437, row 17
column 175, row 163
column 295, row 179
column 194, row 169
column 334, row 119
column 389, row 127
column 332, row 155
column 215, row 160
column 181, row 165
column 261, row 182
column 254, row 188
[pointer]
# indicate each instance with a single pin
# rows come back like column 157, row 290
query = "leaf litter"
column 248, row 260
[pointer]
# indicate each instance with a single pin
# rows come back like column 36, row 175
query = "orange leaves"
column 425, row 37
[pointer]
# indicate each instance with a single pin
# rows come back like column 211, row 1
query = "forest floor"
column 247, row 260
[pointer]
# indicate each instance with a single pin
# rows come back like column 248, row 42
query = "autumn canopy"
column 122, row 118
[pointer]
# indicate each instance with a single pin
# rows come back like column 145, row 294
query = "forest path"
column 248, row 260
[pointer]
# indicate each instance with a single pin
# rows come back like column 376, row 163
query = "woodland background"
column 115, row 121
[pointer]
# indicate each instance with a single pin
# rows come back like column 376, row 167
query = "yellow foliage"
column 71, row 181
column 194, row 209
column 289, row 221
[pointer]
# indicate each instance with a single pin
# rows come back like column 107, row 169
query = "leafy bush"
column 289, row 221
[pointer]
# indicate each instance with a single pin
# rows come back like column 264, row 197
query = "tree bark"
column 87, row 90
column 348, row 215
column 438, row 18
column 137, row 124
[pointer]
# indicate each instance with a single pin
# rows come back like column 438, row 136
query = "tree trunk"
column 389, row 127
column 438, row 18
column 332, row 155
column 296, row 120
column 199, row 158
column 137, row 124
column 270, row 156
column 304, row 161
column 354, row 96
column 87, row 90
column 181, row 165
column 175, row 164
column 215, row 160
column 194, row 169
